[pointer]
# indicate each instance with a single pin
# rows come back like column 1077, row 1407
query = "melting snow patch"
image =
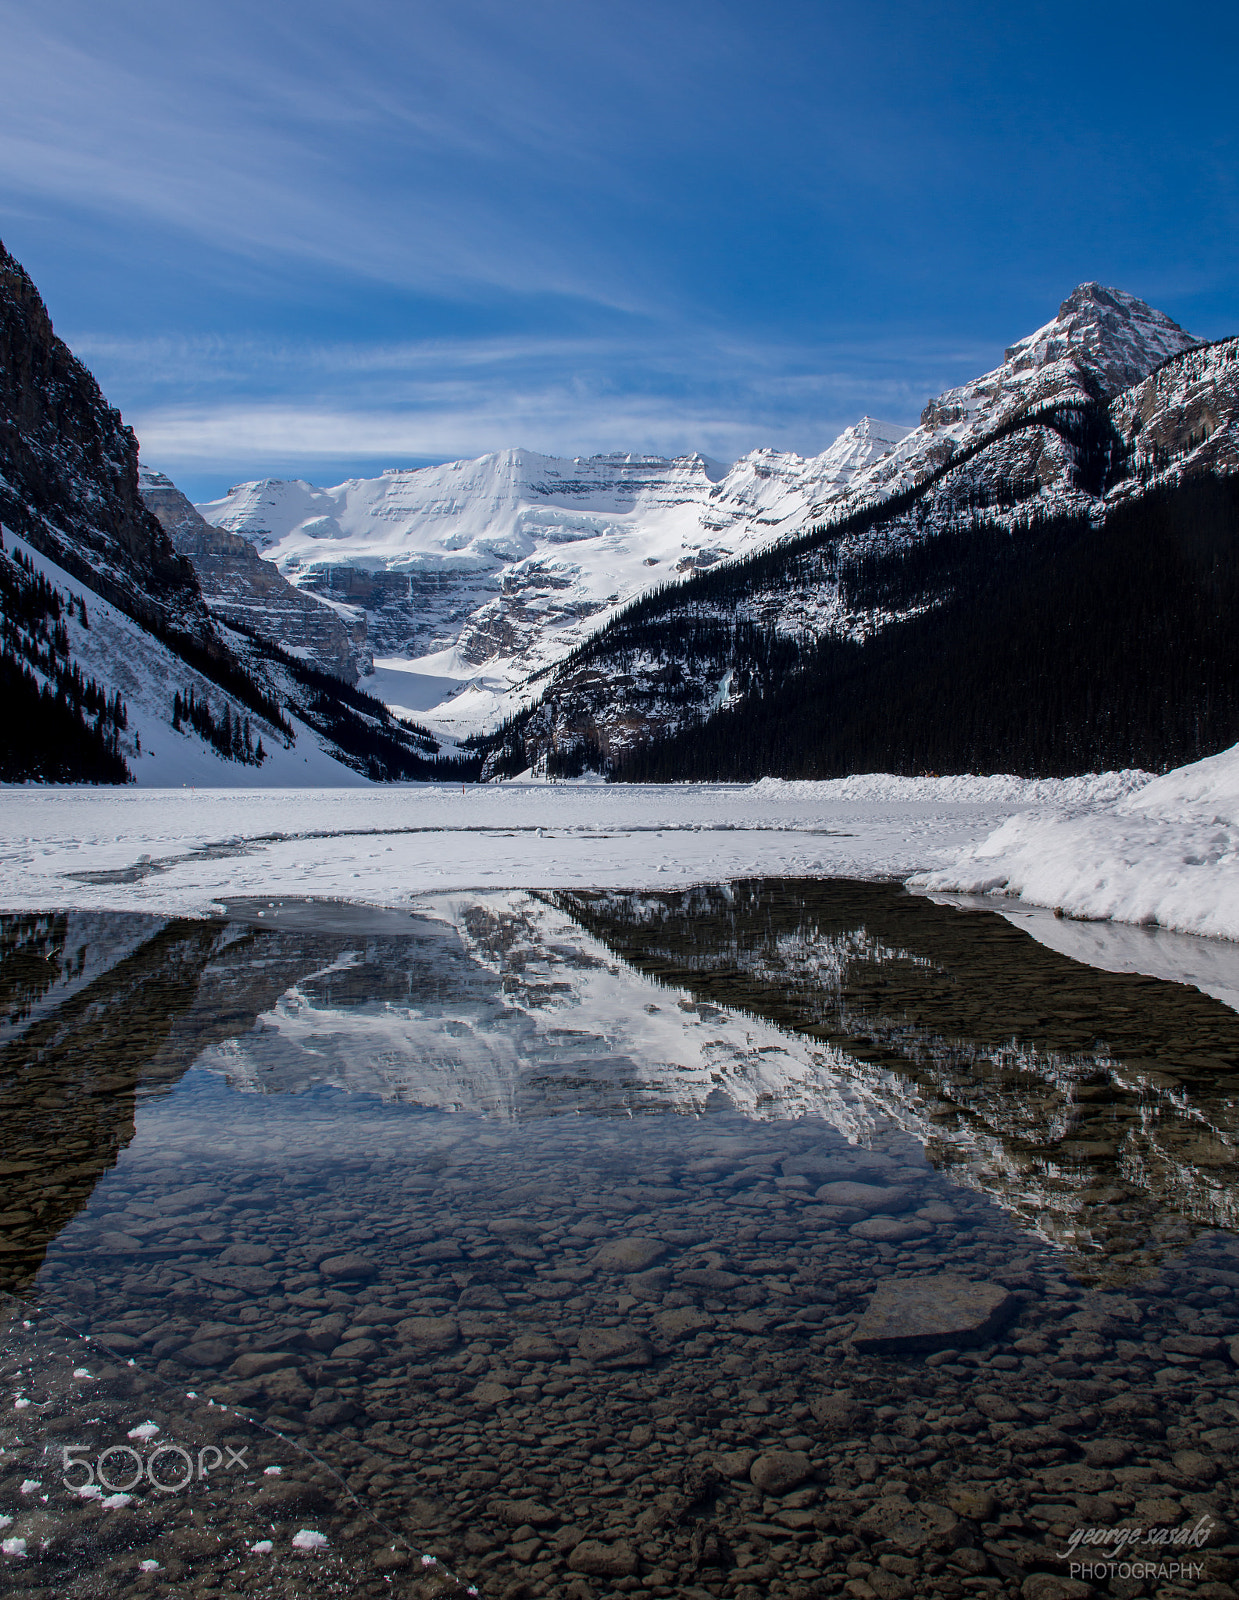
column 148, row 1566
column 82, row 1372
column 144, row 1430
column 308, row 1539
column 20, row 1403
column 264, row 1547
column 31, row 1484
column 116, row 1502
column 14, row 1547
column 272, row 1472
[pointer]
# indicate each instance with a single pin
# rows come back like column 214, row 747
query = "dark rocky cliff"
column 69, row 474
column 239, row 586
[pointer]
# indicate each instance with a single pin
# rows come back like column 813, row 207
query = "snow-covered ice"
column 187, row 851
column 1162, row 853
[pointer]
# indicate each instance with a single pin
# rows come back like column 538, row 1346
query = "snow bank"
column 1164, row 854
column 1002, row 789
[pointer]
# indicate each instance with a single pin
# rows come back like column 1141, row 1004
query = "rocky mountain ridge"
column 1057, row 462
column 239, row 586
column 481, row 573
column 69, row 473
column 112, row 664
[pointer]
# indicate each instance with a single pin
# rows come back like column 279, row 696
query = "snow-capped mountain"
column 1101, row 341
column 474, row 574
column 113, row 666
column 1073, row 539
column 638, row 597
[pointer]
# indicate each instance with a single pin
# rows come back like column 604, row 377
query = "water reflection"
column 552, row 1223
column 1101, row 1108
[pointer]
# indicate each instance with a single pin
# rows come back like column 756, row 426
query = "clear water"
column 510, row 1233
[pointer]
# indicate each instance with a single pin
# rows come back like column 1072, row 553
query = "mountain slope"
column 481, row 572
column 111, row 663
column 1055, row 595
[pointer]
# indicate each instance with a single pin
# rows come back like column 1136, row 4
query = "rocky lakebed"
column 774, row 1240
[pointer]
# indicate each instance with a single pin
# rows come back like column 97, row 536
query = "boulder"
column 535, row 1347
column 206, row 1353
column 713, row 1280
column 355, row 1350
column 779, row 1471
column 599, row 1560
column 682, row 1321
column 331, row 1413
column 890, row 1230
column 867, row 1197
column 837, row 1413
column 336, row 1269
column 429, row 1333
column 246, row 1255
column 937, row 1313
column 516, row 1513
column 735, row 1463
column 911, row 1526
column 1048, row 1586
column 1201, row 1347
column 256, row 1363
column 997, row 1408
column 977, row 1504
column 629, row 1255
column 614, row 1347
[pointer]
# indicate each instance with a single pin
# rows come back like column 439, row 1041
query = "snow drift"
column 1165, row 855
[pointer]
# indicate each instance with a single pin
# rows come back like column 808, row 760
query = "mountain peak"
column 1117, row 336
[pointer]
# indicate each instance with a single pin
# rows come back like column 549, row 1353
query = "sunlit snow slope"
column 476, row 573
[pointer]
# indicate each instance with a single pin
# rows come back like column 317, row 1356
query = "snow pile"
column 1003, row 789
column 1166, row 854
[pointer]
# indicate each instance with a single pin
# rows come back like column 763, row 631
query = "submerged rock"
column 619, row 1347
column 910, row 1526
column 778, row 1471
column 932, row 1314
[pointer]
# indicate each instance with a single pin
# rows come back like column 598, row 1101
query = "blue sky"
column 313, row 239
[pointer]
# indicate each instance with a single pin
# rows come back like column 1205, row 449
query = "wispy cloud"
column 445, row 399
column 310, row 406
column 307, row 233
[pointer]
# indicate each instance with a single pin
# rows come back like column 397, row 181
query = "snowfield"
column 189, row 850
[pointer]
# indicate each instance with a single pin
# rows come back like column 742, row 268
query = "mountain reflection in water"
column 1099, row 1108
